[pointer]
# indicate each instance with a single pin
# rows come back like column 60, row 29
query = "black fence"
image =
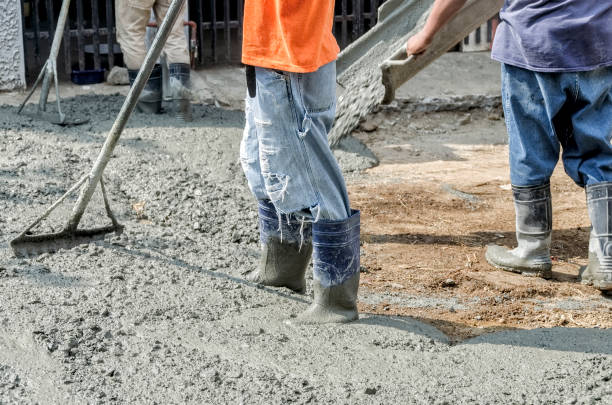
column 89, row 40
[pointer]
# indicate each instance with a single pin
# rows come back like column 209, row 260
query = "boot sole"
column 326, row 317
column 542, row 273
column 603, row 287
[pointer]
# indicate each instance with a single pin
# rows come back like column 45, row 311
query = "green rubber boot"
column 598, row 272
column 150, row 99
column 533, row 207
column 286, row 252
column 334, row 304
column 335, row 272
column 282, row 265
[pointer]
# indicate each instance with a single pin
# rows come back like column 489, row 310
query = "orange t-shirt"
column 290, row 35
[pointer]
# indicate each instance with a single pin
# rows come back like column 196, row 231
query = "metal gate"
column 89, row 38
column 354, row 18
column 88, row 35
column 220, row 27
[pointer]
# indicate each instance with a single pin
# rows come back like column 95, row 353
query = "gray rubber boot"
column 335, row 272
column 150, row 100
column 533, row 207
column 598, row 272
column 286, row 252
column 180, row 90
column 334, row 304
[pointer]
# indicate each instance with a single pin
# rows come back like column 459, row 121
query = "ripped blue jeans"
column 284, row 151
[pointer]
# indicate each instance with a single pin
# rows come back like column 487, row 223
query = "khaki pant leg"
column 176, row 46
column 132, row 17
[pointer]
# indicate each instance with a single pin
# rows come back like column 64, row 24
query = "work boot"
column 286, row 249
column 335, row 272
column 150, row 99
column 179, row 90
column 598, row 272
column 533, row 206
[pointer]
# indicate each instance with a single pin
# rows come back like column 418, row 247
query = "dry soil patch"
column 438, row 197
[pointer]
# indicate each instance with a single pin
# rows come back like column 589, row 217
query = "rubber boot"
column 533, row 206
column 179, row 90
column 598, row 272
column 286, row 250
column 335, row 272
column 150, row 100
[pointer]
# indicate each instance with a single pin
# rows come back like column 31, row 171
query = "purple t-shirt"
column 555, row 35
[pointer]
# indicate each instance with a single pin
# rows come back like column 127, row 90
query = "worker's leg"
column 530, row 101
column 587, row 151
column 293, row 114
column 177, row 55
column 132, row 17
column 176, row 48
column 335, row 233
column 249, row 152
column 286, row 241
column 587, row 156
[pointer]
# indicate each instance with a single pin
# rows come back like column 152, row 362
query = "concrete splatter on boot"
column 533, row 206
column 286, row 250
column 180, row 90
column 150, row 100
column 598, row 272
column 335, row 272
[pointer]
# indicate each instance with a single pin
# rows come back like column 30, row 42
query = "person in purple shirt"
column 556, row 65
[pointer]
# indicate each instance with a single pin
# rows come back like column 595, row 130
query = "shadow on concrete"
column 580, row 340
column 404, row 324
column 173, row 261
column 43, row 276
column 567, row 243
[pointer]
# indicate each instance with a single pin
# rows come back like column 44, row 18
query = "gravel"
column 161, row 314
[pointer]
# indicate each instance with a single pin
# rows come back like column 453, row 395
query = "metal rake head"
column 29, row 245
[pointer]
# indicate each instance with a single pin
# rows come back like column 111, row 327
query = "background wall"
column 12, row 70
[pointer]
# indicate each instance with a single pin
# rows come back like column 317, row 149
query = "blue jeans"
column 547, row 112
column 284, row 151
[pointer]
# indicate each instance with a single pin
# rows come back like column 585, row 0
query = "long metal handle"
column 51, row 71
column 49, row 68
column 124, row 114
column 59, row 30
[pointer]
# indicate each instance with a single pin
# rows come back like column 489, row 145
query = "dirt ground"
column 162, row 313
column 438, row 197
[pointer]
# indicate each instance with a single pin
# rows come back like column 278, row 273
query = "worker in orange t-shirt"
column 304, row 210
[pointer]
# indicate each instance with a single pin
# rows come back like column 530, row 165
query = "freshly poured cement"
column 163, row 315
column 361, row 81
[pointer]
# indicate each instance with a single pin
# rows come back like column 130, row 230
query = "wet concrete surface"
column 162, row 314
